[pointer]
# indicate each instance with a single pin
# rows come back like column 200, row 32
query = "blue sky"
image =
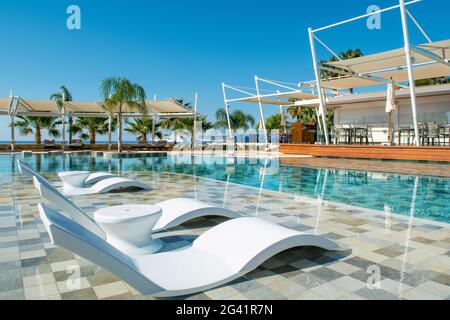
column 176, row 48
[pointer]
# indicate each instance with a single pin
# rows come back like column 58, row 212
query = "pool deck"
column 413, row 255
column 406, row 153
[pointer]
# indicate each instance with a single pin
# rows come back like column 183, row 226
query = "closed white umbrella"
column 391, row 105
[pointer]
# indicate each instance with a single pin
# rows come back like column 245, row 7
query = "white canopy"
column 163, row 108
column 430, row 61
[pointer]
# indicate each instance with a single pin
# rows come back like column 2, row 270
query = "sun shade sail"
column 37, row 105
column 83, row 107
column 349, row 82
column 430, row 61
column 5, row 104
column 393, row 58
column 420, row 72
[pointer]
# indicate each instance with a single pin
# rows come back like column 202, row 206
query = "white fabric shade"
column 393, row 58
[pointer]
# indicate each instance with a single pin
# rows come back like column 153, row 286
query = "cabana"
column 18, row 106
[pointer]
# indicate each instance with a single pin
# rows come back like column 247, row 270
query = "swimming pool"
column 423, row 197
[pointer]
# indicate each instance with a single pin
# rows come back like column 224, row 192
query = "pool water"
column 418, row 196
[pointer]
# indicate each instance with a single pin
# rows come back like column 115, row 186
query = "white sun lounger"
column 128, row 226
column 99, row 182
column 218, row 256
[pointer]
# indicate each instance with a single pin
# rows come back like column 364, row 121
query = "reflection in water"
column 365, row 189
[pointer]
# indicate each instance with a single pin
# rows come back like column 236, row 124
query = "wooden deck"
column 439, row 154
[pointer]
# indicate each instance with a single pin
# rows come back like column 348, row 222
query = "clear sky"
column 179, row 47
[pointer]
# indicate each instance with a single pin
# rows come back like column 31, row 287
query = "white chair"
column 129, row 227
column 218, row 256
column 83, row 182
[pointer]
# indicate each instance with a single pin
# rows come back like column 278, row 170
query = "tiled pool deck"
column 412, row 255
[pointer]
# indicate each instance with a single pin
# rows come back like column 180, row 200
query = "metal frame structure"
column 284, row 90
column 408, row 48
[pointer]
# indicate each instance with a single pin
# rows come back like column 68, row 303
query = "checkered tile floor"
column 412, row 256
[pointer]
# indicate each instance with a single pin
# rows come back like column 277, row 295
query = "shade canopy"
column 164, row 108
column 430, row 61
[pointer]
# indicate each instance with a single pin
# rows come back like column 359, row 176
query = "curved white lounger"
column 173, row 213
column 102, row 186
column 180, row 210
column 105, row 186
column 219, row 256
column 95, row 177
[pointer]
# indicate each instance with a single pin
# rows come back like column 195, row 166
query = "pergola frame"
column 408, row 48
column 284, row 90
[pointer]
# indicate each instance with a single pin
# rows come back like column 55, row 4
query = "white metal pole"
column 109, row 132
column 412, row 87
column 13, row 130
column 63, row 119
column 195, row 121
column 261, row 112
column 153, row 129
column 227, row 111
column 319, row 88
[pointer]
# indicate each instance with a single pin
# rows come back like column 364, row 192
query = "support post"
column 319, row 87
column 261, row 112
column 153, row 129
column 412, row 87
column 12, row 112
column 109, row 131
column 230, row 132
column 194, row 133
column 63, row 119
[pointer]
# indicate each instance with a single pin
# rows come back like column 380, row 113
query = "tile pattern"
column 412, row 255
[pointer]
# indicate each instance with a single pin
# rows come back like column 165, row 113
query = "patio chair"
column 74, row 182
column 76, row 144
column 49, row 144
column 141, row 145
column 432, row 133
column 160, row 145
column 444, row 134
column 218, row 256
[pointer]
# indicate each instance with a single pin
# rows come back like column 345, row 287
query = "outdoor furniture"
column 73, row 186
column 339, row 135
column 361, row 135
column 142, row 145
column 117, row 222
column 159, row 145
column 220, row 255
column 444, row 133
column 76, row 144
column 49, row 144
column 119, row 225
column 432, row 133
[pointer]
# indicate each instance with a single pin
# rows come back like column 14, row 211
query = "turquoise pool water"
column 423, row 197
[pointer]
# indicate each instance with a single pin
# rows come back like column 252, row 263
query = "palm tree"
column 88, row 128
column 238, row 120
column 59, row 97
column 178, row 124
column 187, row 124
column 30, row 125
column 142, row 127
column 119, row 93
